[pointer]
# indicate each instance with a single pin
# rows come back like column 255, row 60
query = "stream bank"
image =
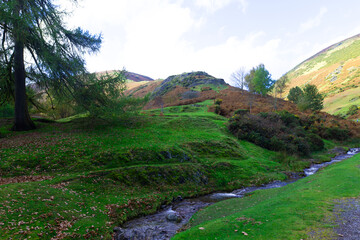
column 164, row 224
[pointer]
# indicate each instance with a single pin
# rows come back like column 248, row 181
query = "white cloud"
column 244, row 5
column 148, row 38
column 215, row 5
column 221, row 60
column 154, row 39
column 313, row 22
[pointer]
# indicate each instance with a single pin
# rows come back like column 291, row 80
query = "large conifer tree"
column 37, row 47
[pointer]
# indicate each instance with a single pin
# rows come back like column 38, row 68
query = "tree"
column 238, row 78
column 34, row 28
column 280, row 84
column 249, row 83
column 311, row 99
column 295, row 94
column 308, row 98
column 259, row 80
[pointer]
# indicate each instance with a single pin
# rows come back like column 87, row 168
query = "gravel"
column 347, row 214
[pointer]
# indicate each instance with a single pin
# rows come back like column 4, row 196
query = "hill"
column 134, row 79
column 177, row 88
column 131, row 76
column 336, row 72
column 196, row 87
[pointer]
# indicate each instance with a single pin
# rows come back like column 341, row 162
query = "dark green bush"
column 315, row 142
column 217, row 109
column 280, row 131
column 289, row 119
column 336, row 133
column 241, row 111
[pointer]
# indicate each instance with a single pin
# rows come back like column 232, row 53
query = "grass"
column 344, row 99
column 214, row 87
column 97, row 175
column 297, row 211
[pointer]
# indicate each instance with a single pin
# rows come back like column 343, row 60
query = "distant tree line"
column 259, row 82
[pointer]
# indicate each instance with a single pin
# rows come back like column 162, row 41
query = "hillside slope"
column 196, row 87
column 176, row 89
column 335, row 71
column 134, row 80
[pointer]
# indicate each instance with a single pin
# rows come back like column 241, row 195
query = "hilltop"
column 335, row 71
column 178, row 88
column 133, row 79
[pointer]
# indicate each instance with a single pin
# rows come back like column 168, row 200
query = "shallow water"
column 165, row 223
column 314, row 168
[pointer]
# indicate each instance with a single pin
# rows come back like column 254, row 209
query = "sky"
column 159, row 38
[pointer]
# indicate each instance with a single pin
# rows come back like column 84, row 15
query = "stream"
column 165, row 223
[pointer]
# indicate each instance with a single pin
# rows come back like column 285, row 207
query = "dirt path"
column 347, row 214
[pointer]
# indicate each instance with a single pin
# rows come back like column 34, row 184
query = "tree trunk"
column 23, row 121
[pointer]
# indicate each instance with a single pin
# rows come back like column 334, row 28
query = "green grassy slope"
column 302, row 210
column 335, row 71
column 96, row 176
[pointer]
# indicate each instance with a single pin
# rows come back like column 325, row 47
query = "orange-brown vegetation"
column 143, row 89
column 132, row 85
column 234, row 99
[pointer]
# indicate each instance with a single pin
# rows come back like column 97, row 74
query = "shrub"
column 288, row 118
column 218, row 101
column 303, row 147
column 281, row 131
column 315, row 142
column 336, row 133
column 217, row 109
column 241, row 111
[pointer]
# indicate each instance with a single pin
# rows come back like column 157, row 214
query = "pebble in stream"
column 164, row 224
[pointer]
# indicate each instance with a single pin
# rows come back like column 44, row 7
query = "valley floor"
column 79, row 179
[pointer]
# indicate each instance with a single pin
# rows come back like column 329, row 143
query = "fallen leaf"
column 245, row 233
column 201, row 228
